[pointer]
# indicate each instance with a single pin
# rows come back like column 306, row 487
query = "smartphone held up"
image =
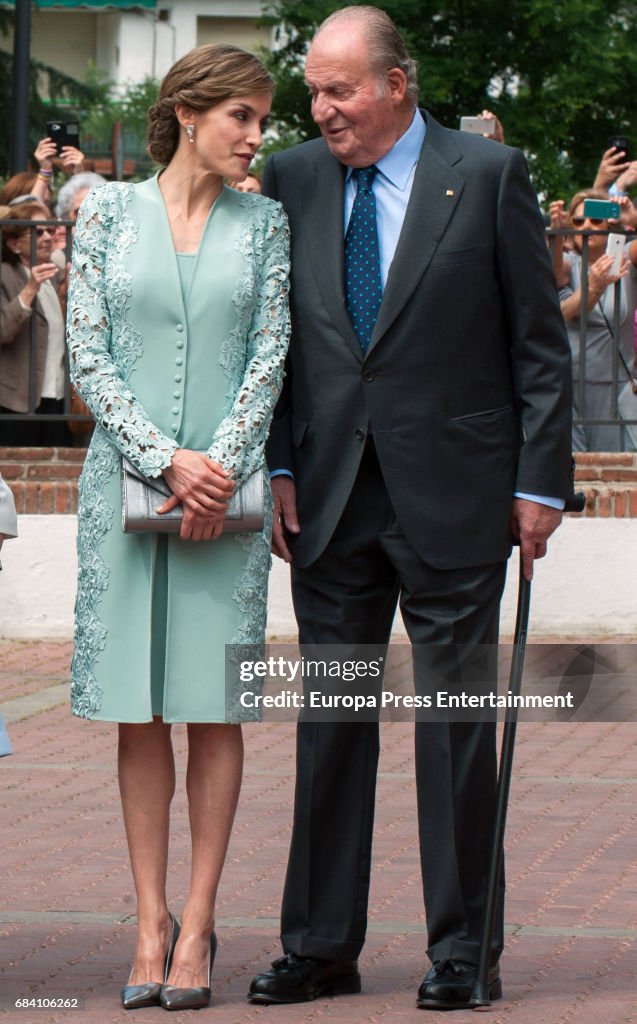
column 478, row 125
column 601, row 209
column 615, row 248
column 621, row 144
column 63, row 133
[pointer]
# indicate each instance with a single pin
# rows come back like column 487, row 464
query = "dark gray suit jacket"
column 466, row 385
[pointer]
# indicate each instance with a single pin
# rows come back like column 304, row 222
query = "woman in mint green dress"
column 177, row 333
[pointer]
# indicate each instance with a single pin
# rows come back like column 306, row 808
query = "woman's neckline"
column 209, row 216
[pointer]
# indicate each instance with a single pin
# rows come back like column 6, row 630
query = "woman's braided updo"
column 201, row 79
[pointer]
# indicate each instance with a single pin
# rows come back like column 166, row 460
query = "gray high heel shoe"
column 135, row 997
column 173, row 998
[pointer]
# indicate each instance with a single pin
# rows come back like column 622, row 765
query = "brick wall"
column 44, row 480
column 609, row 482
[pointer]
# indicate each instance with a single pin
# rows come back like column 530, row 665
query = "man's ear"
column 397, row 82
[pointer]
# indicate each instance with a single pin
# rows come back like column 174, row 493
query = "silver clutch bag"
column 141, row 495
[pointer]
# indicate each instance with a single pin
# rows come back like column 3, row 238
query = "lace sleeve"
column 102, row 344
column 239, row 441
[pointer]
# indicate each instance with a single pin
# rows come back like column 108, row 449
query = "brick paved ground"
column 67, row 900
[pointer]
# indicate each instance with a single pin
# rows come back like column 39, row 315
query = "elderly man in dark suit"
column 425, row 423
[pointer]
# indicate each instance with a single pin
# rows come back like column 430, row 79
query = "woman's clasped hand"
column 204, row 488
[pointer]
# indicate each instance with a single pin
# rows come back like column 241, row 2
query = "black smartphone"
column 63, row 133
column 621, row 143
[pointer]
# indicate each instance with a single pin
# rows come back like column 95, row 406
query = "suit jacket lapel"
column 322, row 219
column 434, row 195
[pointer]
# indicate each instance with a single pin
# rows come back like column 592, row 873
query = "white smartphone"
column 478, row 125
column 615, row 248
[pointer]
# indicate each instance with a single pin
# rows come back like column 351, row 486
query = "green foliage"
column 560, row 74
column 109, row 105
column 65, row 95
column 94, row 102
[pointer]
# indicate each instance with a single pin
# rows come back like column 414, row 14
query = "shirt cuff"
column 542, row 499
column 281, row 472
column 23, row 305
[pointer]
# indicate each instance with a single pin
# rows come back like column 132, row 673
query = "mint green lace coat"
column 161, row 370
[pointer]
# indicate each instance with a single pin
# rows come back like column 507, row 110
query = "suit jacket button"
column 368, row 375
column 360, row 434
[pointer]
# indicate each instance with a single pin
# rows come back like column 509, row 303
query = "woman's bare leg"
column 213, row 781
column 147, row 784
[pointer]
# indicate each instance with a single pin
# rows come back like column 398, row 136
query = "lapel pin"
column 449, row 192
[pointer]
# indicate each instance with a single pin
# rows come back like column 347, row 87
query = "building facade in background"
column 132, row 39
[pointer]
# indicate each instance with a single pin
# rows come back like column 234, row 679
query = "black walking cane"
column 480, row 994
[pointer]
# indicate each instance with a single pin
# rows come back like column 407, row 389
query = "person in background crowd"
column 628, row 398
column 8, row 519
column 8, row 529
column 39, row 184
column 73, row 193
column 19, row 188
column 427, row 343
column 616, row 174
column 252, row 183
column 498, row 131
column 602, row 382
column 69, row 199
column 29, row 293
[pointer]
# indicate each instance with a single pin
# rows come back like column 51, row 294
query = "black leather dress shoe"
column 449, row 985
column 298, row 979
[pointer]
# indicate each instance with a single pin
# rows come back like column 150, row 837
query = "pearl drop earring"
column 190, row 132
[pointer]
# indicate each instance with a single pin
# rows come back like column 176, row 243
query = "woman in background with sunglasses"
column 29, row 292
column 603, row 379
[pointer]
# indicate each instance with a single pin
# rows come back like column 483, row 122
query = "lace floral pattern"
column 251, row 594
column 254, row 353
column 253, row 357
column 93, row 576
column 104, row 347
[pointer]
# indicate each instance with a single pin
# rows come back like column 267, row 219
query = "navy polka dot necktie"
column 363, row 287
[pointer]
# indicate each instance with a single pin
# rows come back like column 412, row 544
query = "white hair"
column 76, row 183
column 385, row 44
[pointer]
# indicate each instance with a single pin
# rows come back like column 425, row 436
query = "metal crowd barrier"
column 619, row 371
column 622, row 371
column 67, row 415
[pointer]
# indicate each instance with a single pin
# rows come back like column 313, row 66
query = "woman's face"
column 78, row 199
column 596, row 243
column 250, row 184
column 228, row 136
column 44, row 243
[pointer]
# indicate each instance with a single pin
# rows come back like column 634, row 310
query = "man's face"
column 356, row 110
